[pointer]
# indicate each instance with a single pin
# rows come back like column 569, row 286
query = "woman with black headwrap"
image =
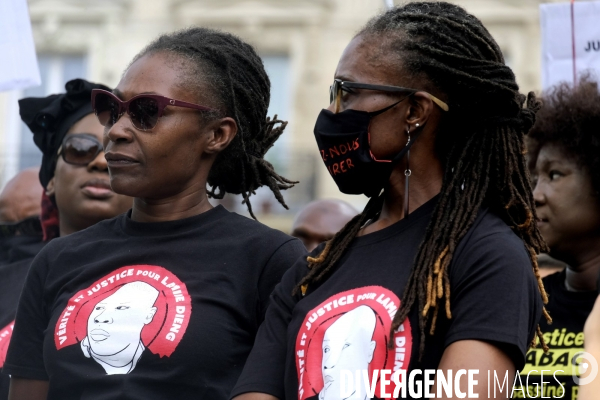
column 74, row 171
column 75, row 177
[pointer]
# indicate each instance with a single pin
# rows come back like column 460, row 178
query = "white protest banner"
column 570, row 41
column 18, row 62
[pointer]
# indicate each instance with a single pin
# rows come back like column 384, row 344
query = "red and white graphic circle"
column 350, row 331
column 165, row 295
column 5, row 335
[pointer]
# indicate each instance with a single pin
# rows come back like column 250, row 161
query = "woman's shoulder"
column 490, row 244
column 246, row 227
column 490, row 227
column 257, row 240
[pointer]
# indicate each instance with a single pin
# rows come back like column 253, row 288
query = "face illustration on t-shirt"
column 132, row 310
column 347, row 345
column 348, row 334
column 114, row 328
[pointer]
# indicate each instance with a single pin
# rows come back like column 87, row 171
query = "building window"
column 278, row 69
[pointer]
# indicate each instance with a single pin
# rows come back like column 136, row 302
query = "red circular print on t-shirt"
column 134, row 309
column 346, row 333
column 5, row 335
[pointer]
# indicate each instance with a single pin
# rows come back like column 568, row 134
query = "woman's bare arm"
column 591, row 334
column 252, row 396
column 29, row 389
column 483, row 356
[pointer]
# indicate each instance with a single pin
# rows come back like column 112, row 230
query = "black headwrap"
column 49, row 118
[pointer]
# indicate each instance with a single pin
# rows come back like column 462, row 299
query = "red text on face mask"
column 339, row 151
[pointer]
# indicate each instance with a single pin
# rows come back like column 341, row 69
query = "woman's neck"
column 583, row 269
column 183, row 205
column 424, row 184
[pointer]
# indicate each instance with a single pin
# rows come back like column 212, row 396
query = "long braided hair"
column 237, row 81
column 481, row 147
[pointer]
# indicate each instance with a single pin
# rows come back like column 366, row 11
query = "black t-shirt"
column 17, row 248
column 129, row 310
column 16, row 255
column 568, row 310
column 343, row 323
column 12, row 278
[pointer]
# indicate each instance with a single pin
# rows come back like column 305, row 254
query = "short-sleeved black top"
column 12, row 278
column 16, row 255
column 569, row 311
column 343, row 323
column 129, row 310
column 18, row 248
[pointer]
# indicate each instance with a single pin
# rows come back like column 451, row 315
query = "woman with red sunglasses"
column 164, row 301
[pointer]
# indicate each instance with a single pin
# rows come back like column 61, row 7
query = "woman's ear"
column 50, row 188
column 421, row 107
column 223, row 133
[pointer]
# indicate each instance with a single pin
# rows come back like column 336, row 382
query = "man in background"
column 20, row 208
column 20, row 241
column 319, row 220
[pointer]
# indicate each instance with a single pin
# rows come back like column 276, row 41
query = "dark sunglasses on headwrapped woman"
column 80, row 149
column 144, row 110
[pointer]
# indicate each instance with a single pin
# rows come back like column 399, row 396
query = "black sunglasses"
column 29, row 226
column 339, row 86
column 80, row 149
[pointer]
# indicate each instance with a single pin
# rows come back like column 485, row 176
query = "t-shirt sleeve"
column 265, row 367
column 495, row 297
column 25, row 352
column 281, row 260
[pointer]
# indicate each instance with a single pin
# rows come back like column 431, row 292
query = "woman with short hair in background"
column 564, row 146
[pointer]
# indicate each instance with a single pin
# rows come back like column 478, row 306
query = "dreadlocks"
column 237, row 80
column 482, row 157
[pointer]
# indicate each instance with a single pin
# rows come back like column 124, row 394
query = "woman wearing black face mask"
column 439, row 270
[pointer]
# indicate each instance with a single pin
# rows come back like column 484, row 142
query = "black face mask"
column 343, row 141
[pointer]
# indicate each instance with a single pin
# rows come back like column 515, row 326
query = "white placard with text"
column 569, row 49
column 18, row 62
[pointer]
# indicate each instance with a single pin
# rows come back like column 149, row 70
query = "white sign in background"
column 564, row 59
column 18, row 62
